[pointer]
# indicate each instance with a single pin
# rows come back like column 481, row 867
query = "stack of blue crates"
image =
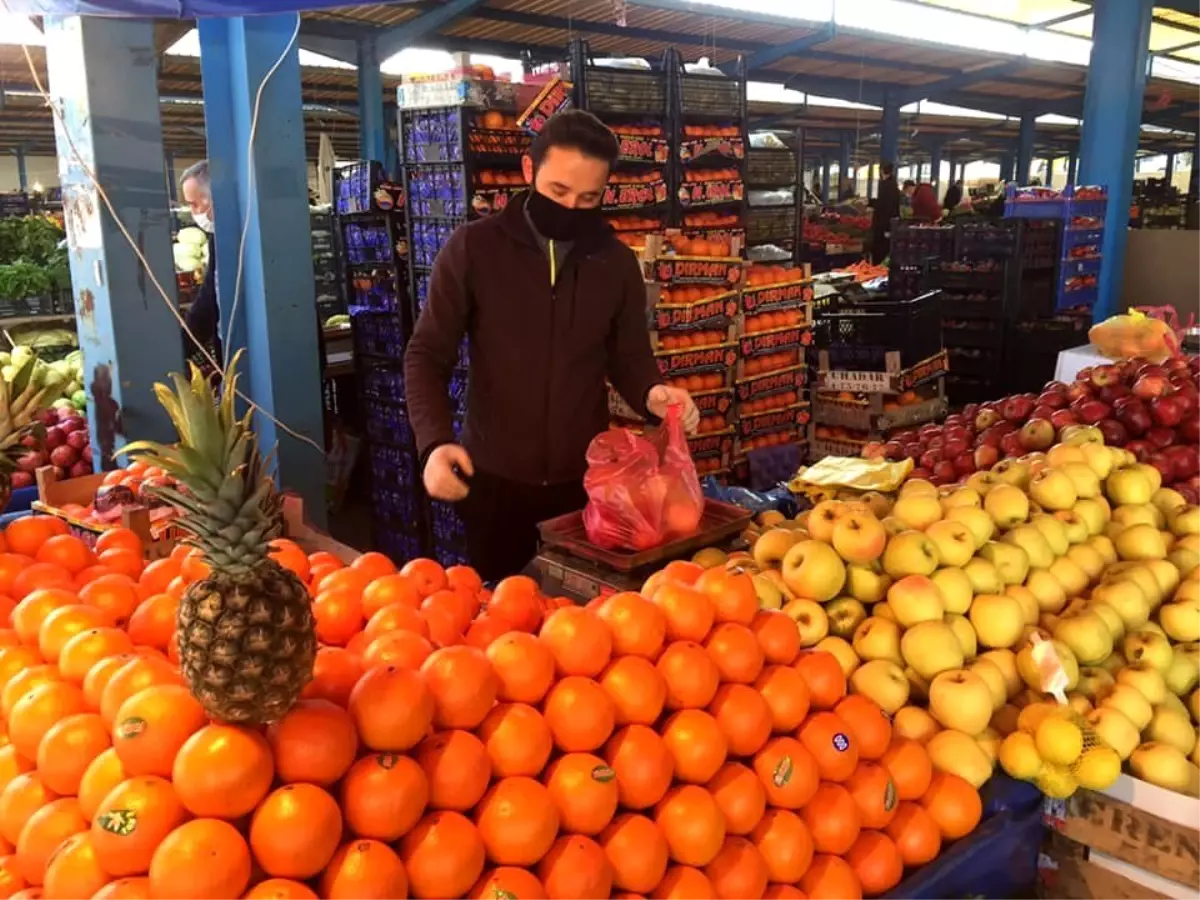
column 1082, row 209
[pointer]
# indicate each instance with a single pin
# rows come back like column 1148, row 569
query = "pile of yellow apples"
column 933, row 601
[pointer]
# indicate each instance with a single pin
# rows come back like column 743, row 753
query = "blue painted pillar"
column 845, row 175
column 1007, row 165
column 372, row 135
column 391, row 147
column 1112, row 115
column 1025, row 149
column 22, row 176
column 935, row 165
column 889, row 131
column 826, row 165
column 266, row 189
column 129, row 336
column 172, row 187
column 1072, row 166
column 1169, row 172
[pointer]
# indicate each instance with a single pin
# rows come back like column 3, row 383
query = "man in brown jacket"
column 552, row 304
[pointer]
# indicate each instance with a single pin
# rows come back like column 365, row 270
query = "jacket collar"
column 514, row 221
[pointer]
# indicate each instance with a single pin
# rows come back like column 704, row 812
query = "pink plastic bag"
column 641, row 492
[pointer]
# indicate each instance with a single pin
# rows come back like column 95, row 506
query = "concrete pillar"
column 372, row 134
column 1112, row 114
column 889, row 134
column 127, row 332
column 276, row 319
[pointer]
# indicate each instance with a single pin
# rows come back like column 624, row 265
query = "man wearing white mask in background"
column 203, row 318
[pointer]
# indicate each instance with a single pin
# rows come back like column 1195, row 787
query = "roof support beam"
column 965, row 79
column 1065, row 17
column 392, row 40
column 764, row 57
column 585, row 26
column 341, row 49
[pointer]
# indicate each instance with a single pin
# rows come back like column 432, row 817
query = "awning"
column 167, row 9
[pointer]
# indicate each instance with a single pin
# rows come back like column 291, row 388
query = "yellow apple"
column 1087, row 635
column 1006, row 661
column 1074, row 526
column 1051, row 489
column 1054, row 531
column 1072, row 578
column 954, row 541
column 1129, row 486
column 883, row 682
column 918, row 486
column 1045, row 587
column 930, row 648
column 961, row 496
column 823, row 517
column 1129, row 702
column 1029, row 603
column 1165, row 766
column 1012, row 563
column 958, row 753
column 841, row 651
column 997, row 619
column 1030, row 539
column 1181, row 620
column 1007, row 505
column 814, row 571
column 977, row 520
column 1112, row 619
column 917, row 511
column 1185, row 520
column 1143, row 514
column 1140, row 542
column 983, row 575
column 811, row 621
column 955, row 588
column 867, row 583
column 1092, row 680
column 1114, row 728
column 878, row 638
column 1146, row 646
column 1184, row 673
column 910, row 553
column 772, row 546
column 961, row 699
column 965, row 634
column 858, row 538
column 987, row 670
column 1092, row 512
column 1098, row 458
column 845, row 614
column 983, row 482
column 1061, row 454
column 1147, row 679
column 915, row 598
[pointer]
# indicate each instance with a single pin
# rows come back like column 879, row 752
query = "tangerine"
column 517, row 821
column 223, row 772
column 200, row 859
column 517, row 739
column 524, row 667
column 125, row 889
column 830, row 878
column 280, row 888
column 643, row 765
column 691, row 675
column 462, row 684
column 428, row 575
column 575, row 866
column 952, row 802
column 73, row 870
column 153, row 622
column 132, row 821
column 388, row 591
column 63, row 624
column 45, row 829
column 786, row 694
column 740, row 795
column 824, row 676
column 85, row 650
column 38, row 711
column 68, row 748
column 443, row 855
column 152, row 725
column 876, row 861
column 829, row 741
column 115, row 594
column 788, row 772
column 638, row 626
column 580, row 714
column 579, row 640
column 732, row 594
column 637, row 689
column 67, row 552
column 363, row 868
column 874, row 793
column 101, row 776
column 738, row 869
column 583, row 788
column 777, row 636
column 785, row 844
column 27, row 534
column 517, row 601
column 684, row 883
column 384, row 795
column 869, row 725
column 637, row 852
column 507, row 881
column 20, row 799
column 915, row 833
column 405, row 649
column 457, row 767
column 743, row 717
column 337, row 611
column 689, row 613
column 392, row 709
column 696, row 743
column 137, row 674
column 692, row 823
column 295, row 831
column 907, row 761
column 335, row 672
column 395, row 617
column 29, row 614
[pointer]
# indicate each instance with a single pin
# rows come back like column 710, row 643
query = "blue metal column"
column 825, row 176
column 1169, row 172
column 1024, row 149
column 845, row 176
column 935, row 165
column 265, row 190
column 127, row 332
column 391, row 147
column 1072, row 166
column 22, row 177
column 1112, row 115
column 889, row 131
column 372, row 135
column 1007, row 162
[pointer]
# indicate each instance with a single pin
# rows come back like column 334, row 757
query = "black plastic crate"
column 380, row 334
column 915, row 243
column 771, row 167
column 964, row 389
column 384, row 382
column 859, row 335
column 976, row 361
column 971, row 333
column 974, row 305
column 770, row 223
column 458, row 389
column 432, row 135
column 446, row 529
column 906, row 282
column 1032, row 349
column 387, row 423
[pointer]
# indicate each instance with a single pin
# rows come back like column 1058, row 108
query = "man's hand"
column 442, row 469
column 661, row 396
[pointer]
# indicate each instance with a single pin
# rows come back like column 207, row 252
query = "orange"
column 384, row 795
column 202, row 858
column 428, row 575
column 342, row 579
column 910, row 767
column 280, row 888
column 636, row 688
column 153, row 622
column 27, row 534
column 67, row 750
column 785, row 844
column 392, row 709
column 831, row 744
column 453, row 607
column 315, row 742
column 869, row 725
column 736, row 652
column 443, row 855
column 116, row 594
column 337, row 613
column 405, row 649
column 876, row 861
column 576, row 866
column 830, row 878
column 676, row 572
column 916, row 834
column 464, row 578
column 689, row 612
column 158, row 575
column 15, row 660
column 643, row 765
column 64, row 623
column 583, row 787
column 38, row 711
column 73, row 870
column 41, row 576
column 684, row 883
column 580, row 714
column 8, row 637
column 743, row 717
column 11, row 882
column 28, row 615
column 20, row 799
column 295, row 831
column 81, row 653
column 638, row 626
column 823, row 674
column 335, row 672
column 874, row 793
column 136, row 675
column 119, row 538
column 152, row 725
column 90, row 574
column 482, row 633
column 832, row 818
column 517, row 821
column 125, row 889
column 223, row 771
column 788, row 772
column 579, row 640
column 777, row 636
column 740, row 795
column 373, row 565
column 43, row 832
column 363, row 869
column 395, row 617
column 786, row 694
column 463, row 686
column 517, row 600
column 457, row 768
column 444, row 624
column 517, row 740
column 132, row 821
column 101, row 776
column 24, row 682
column 732, row 594
column 125, row 562
column 507, row 881
column 691, row 675
column 738, row 869
column 637, row 852
column 389, row 590
column 11, row 565
column 66, row 551
column 697, row 745
column 693, row 824
column 12, row 764
column 953, row 803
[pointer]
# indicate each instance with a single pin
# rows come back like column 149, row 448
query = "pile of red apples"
column 1150, row 409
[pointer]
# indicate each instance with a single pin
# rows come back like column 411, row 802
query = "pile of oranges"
column 709, row 381
column 770, row 362
column 759, row 275
column 784, row 318
column 453, row 742
column 700, row 175
column 691, row 340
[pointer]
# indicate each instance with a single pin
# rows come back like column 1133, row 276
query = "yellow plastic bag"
column 1136, row 334
column 851, row 472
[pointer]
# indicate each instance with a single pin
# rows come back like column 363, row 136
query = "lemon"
column 1098, row 768
column 1033, row 714
column 1056, row 781
column 1019, row 756
column 1058, row 741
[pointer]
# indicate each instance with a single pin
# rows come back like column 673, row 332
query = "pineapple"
column 246, row 640
column 20, row 401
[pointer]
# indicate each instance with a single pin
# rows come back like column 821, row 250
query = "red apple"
column 1056, row 387
column 1135, row 418
column 1063, row 418
column 913, row 450
column 1150, row 369
column 55, row 437
column 893, row 450
column 1168, row 410
column 59, row 473
column 1115, row 434
column 1189, row 430
column 930, row 459
column 64, row 456
column 1052, row 399
column 1139, row 448
column 21, row 479
column 945, row 471
column 1078, row 390
column 986, row 456
column 1163, row 463
column 985, row 419
column 1161, row 436
column 81, row 468
column 31, row 442
column 31, row 461
column 1110, row 393
column 1150, row 386
column 1042, row 412
column 1017, row 409
column 1037, row 434
column 1091, row 411
column 1102, row 375
column 954, row 447
column 1184, row 460
column 919, row 472
column 964, row 464
column 1010, row 444
column 78, row 439
column 72, row 424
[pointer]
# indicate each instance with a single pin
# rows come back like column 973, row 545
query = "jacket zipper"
column 550, row 373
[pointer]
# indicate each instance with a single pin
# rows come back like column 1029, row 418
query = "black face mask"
column 559, row 223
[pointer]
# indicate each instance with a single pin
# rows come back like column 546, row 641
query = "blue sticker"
column 841, row 742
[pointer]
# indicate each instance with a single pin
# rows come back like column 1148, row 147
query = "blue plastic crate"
column 1083, row 298
column 391, row 464
column 387, row 423
column 384, row 382
column 433, row 135
column 458, row 389
column 380, row 334
column 1074, row 238
column 374, row 292
column 399, row 546
column 1087, row 266
column 1038, row 204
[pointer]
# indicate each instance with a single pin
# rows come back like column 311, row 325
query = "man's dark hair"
column 910, row 183
column 887, row 169
column 576, row 129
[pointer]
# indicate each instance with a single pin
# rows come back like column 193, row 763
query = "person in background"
column 954, row 196
column 203, row 318
column 551, row 305
column 925, row 204
column 887, row 207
